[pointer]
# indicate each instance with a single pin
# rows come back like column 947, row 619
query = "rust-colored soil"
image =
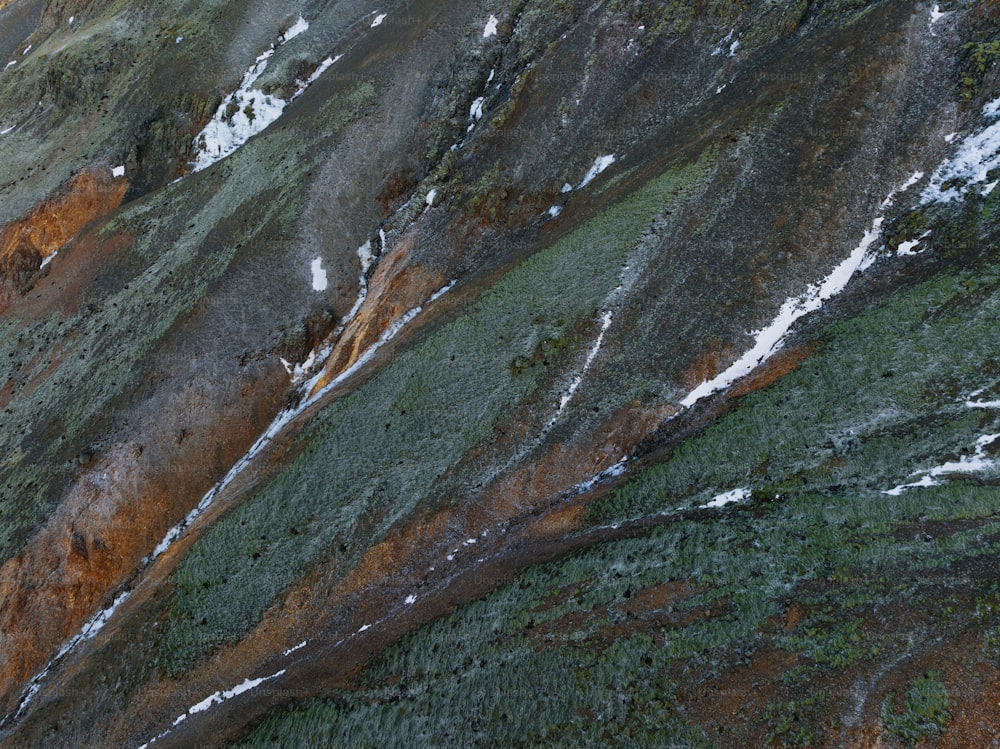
column 396, row 287
column 88, row 196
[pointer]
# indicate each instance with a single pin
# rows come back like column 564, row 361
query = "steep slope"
column 383, row 376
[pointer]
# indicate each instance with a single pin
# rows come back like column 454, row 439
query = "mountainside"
column 508, row 373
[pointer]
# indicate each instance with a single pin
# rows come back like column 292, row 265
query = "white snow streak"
column 215, row 699
column 89, row 630
column 8, row 130
column 982, row 404
column 591, row 355
column 936, row 15
column 476, row 109
column 378, row 20
column 975, row 463
column 293, row 649
column 608, row 473
column 299, row 27
column 431, row 195
column 769, row 339
column 722, row 44
column 600, row 164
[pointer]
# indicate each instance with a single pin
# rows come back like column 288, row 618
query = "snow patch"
column 431, row 195
column 721, row 500
column 178, row 40
column 249, row 111
column 608, row 473
column 366, row 256
column 723, row 42
column 220, row 697
column 476, row 110
column 118, row 171
column 976, row 157
column 554, row 210
column 491, row 27
column 319, row 281
column 891, row 197
column 299, row 27
column 906, row 248
column 410, row 600
column 600, row 164
column 9, row 64
column 567, row 187
column 936, row 15
column 27, row 50
column 378, row 20
column 982, row 404
column 591, row 355
column 8, row 130
column 71, row 19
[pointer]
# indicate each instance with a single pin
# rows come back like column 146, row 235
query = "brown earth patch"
column 782, row 363
column 713, row 360
column 649, row 610
column 730, row 708
column 114, row 513
column 328, row 607
column 396, row 287
column 89, row 195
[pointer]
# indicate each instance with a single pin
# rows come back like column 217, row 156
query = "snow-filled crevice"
column 248, row 110
column 368, row 257
column 978, row 462
column 769, row 339
column 216, row 698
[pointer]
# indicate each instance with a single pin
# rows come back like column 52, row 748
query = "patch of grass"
column 880, row 400
column 829, row 641
column 791, row 722
column 368, row 459
column 883, row 397
column 924, row 711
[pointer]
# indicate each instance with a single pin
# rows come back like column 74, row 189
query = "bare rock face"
column 526, row 373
